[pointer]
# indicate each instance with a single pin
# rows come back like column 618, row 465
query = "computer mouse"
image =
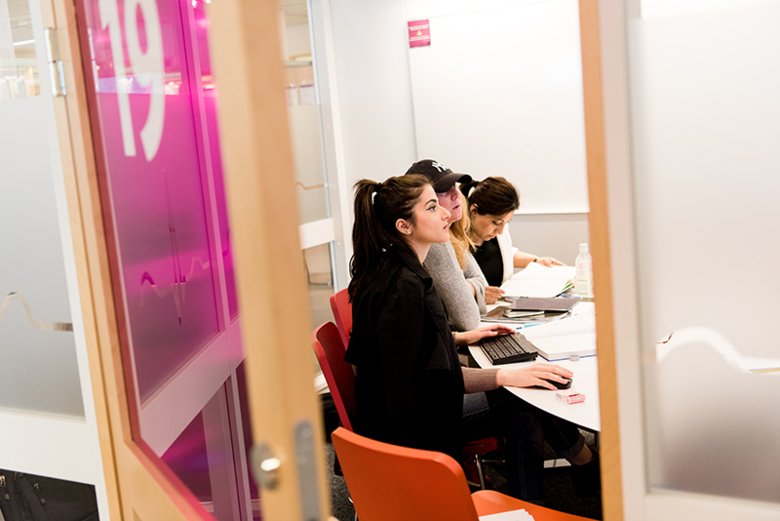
column 559, row 385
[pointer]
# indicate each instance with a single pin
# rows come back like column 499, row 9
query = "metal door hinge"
column 54, row 63
column 306, row 461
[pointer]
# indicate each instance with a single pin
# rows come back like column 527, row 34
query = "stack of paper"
column 539, row 281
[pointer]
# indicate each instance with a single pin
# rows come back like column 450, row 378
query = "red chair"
column 342, row 313
column 388, row 483
column 329, row 349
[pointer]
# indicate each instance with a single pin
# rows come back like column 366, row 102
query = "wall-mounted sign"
column 419, row 33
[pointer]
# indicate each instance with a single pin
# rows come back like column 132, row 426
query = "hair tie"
column 376, row 190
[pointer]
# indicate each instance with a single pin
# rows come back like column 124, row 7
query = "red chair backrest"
column 329, row 348
column 342, row 313
column 388, row 482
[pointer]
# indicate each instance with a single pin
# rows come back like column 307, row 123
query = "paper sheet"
column 538, row 281
column 511, row 515
column 571, row 325
column 537, row 271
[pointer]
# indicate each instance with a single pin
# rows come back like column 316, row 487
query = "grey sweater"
column 454, row 285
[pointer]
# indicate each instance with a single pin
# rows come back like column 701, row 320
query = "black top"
column 488, row 256
column 409, row 384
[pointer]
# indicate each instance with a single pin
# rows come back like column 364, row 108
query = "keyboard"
column 508, row 349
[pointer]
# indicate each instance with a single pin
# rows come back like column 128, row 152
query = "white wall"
column 375, row 108
column 554, row 235
column 375, row 100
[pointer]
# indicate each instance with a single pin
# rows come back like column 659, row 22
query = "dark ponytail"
column 491, row 196
column 377, row 208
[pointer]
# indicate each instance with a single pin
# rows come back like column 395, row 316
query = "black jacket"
column 409, row 383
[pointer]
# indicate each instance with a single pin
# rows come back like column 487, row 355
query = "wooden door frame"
column 126, row 471
column 260, row 182
column 606, row 113
column 127, row 468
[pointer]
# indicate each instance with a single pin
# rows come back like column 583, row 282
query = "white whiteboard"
column 499, row 93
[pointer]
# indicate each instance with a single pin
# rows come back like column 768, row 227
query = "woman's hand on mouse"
column 475, row 335
column 533, row 375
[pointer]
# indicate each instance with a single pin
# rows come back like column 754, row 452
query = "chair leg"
column 480, row 471
column 349, row 497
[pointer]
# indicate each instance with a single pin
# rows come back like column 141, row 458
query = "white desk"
column 585, row 369
column 585, row 381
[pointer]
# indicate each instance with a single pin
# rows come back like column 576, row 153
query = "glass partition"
column 38, row 362
column 154, row 105
column 705, row 121
column 319, row 277
column 155, row 186
column 18, row 66
column 303, row 107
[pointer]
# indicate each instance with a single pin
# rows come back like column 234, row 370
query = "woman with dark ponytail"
column 409, row 386
column 491, row 205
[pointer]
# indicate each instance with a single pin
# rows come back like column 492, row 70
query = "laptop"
column 552, row 305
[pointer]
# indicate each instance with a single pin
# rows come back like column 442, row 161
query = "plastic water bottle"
column 583, row 279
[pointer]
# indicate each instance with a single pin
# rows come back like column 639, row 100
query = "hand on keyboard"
column 536, row 375
column 486, row 331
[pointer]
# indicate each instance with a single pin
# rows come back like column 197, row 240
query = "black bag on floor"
column 26, row 497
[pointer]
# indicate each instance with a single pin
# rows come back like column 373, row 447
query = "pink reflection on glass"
column 158, row 203
column 163, row 221
column 202, row 458
column 188, row 459
column 209, row 94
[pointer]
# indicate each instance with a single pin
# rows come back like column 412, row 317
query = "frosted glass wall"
column 705, row 93
column 38, row 366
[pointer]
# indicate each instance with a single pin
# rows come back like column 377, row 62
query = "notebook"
column 557, row 304
column 562, row 347
column 505, row 314
column 560, row 339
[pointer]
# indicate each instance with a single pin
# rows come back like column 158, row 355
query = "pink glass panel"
column 188, row 459
column 160, row 163
column 209, row 96
column 158, row 200
column 202, row 458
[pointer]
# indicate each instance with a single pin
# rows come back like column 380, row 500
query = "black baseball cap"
column 441, row 176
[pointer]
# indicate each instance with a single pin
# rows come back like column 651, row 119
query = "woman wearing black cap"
column 455, row 273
